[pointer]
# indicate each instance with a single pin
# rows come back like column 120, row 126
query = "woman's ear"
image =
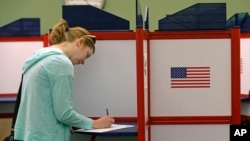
column 80, row 42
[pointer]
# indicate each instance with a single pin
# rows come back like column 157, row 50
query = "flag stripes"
column 190, row 77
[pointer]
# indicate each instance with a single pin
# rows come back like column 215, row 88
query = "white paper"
column 113, row 127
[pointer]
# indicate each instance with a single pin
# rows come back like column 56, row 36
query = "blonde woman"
column 46, row 112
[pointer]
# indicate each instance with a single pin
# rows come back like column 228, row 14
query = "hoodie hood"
column 39, row 55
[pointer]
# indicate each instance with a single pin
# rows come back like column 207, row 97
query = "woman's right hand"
column 103, row 122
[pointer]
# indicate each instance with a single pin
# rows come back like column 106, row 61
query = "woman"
column 46, row 111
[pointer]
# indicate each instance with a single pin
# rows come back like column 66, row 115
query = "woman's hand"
column 103, row 122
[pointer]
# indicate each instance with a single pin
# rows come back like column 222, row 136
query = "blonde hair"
column 61, row 32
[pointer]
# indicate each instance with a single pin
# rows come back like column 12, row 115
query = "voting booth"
column 194, row 76
column 245, row 74
column 245, row 66
column 194, row 84
column 14, row 50
column 133, row 74
column 174, row 85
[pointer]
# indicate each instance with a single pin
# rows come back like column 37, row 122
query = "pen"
column 107, row 111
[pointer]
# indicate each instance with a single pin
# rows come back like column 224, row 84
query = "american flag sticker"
column 190, row 77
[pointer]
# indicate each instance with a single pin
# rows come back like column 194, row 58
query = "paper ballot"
column 113, row 127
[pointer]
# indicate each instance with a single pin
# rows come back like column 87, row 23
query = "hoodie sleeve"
column 63, row 106
column 61, row 73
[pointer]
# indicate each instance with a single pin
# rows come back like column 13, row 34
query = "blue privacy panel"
column 93, row 19
column 201, row 16
column 245, row 27
column 241, row 20
column 22, row 27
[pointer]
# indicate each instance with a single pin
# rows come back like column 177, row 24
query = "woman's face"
column 81, row 52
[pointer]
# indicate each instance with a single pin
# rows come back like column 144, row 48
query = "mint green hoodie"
column 46, row 110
